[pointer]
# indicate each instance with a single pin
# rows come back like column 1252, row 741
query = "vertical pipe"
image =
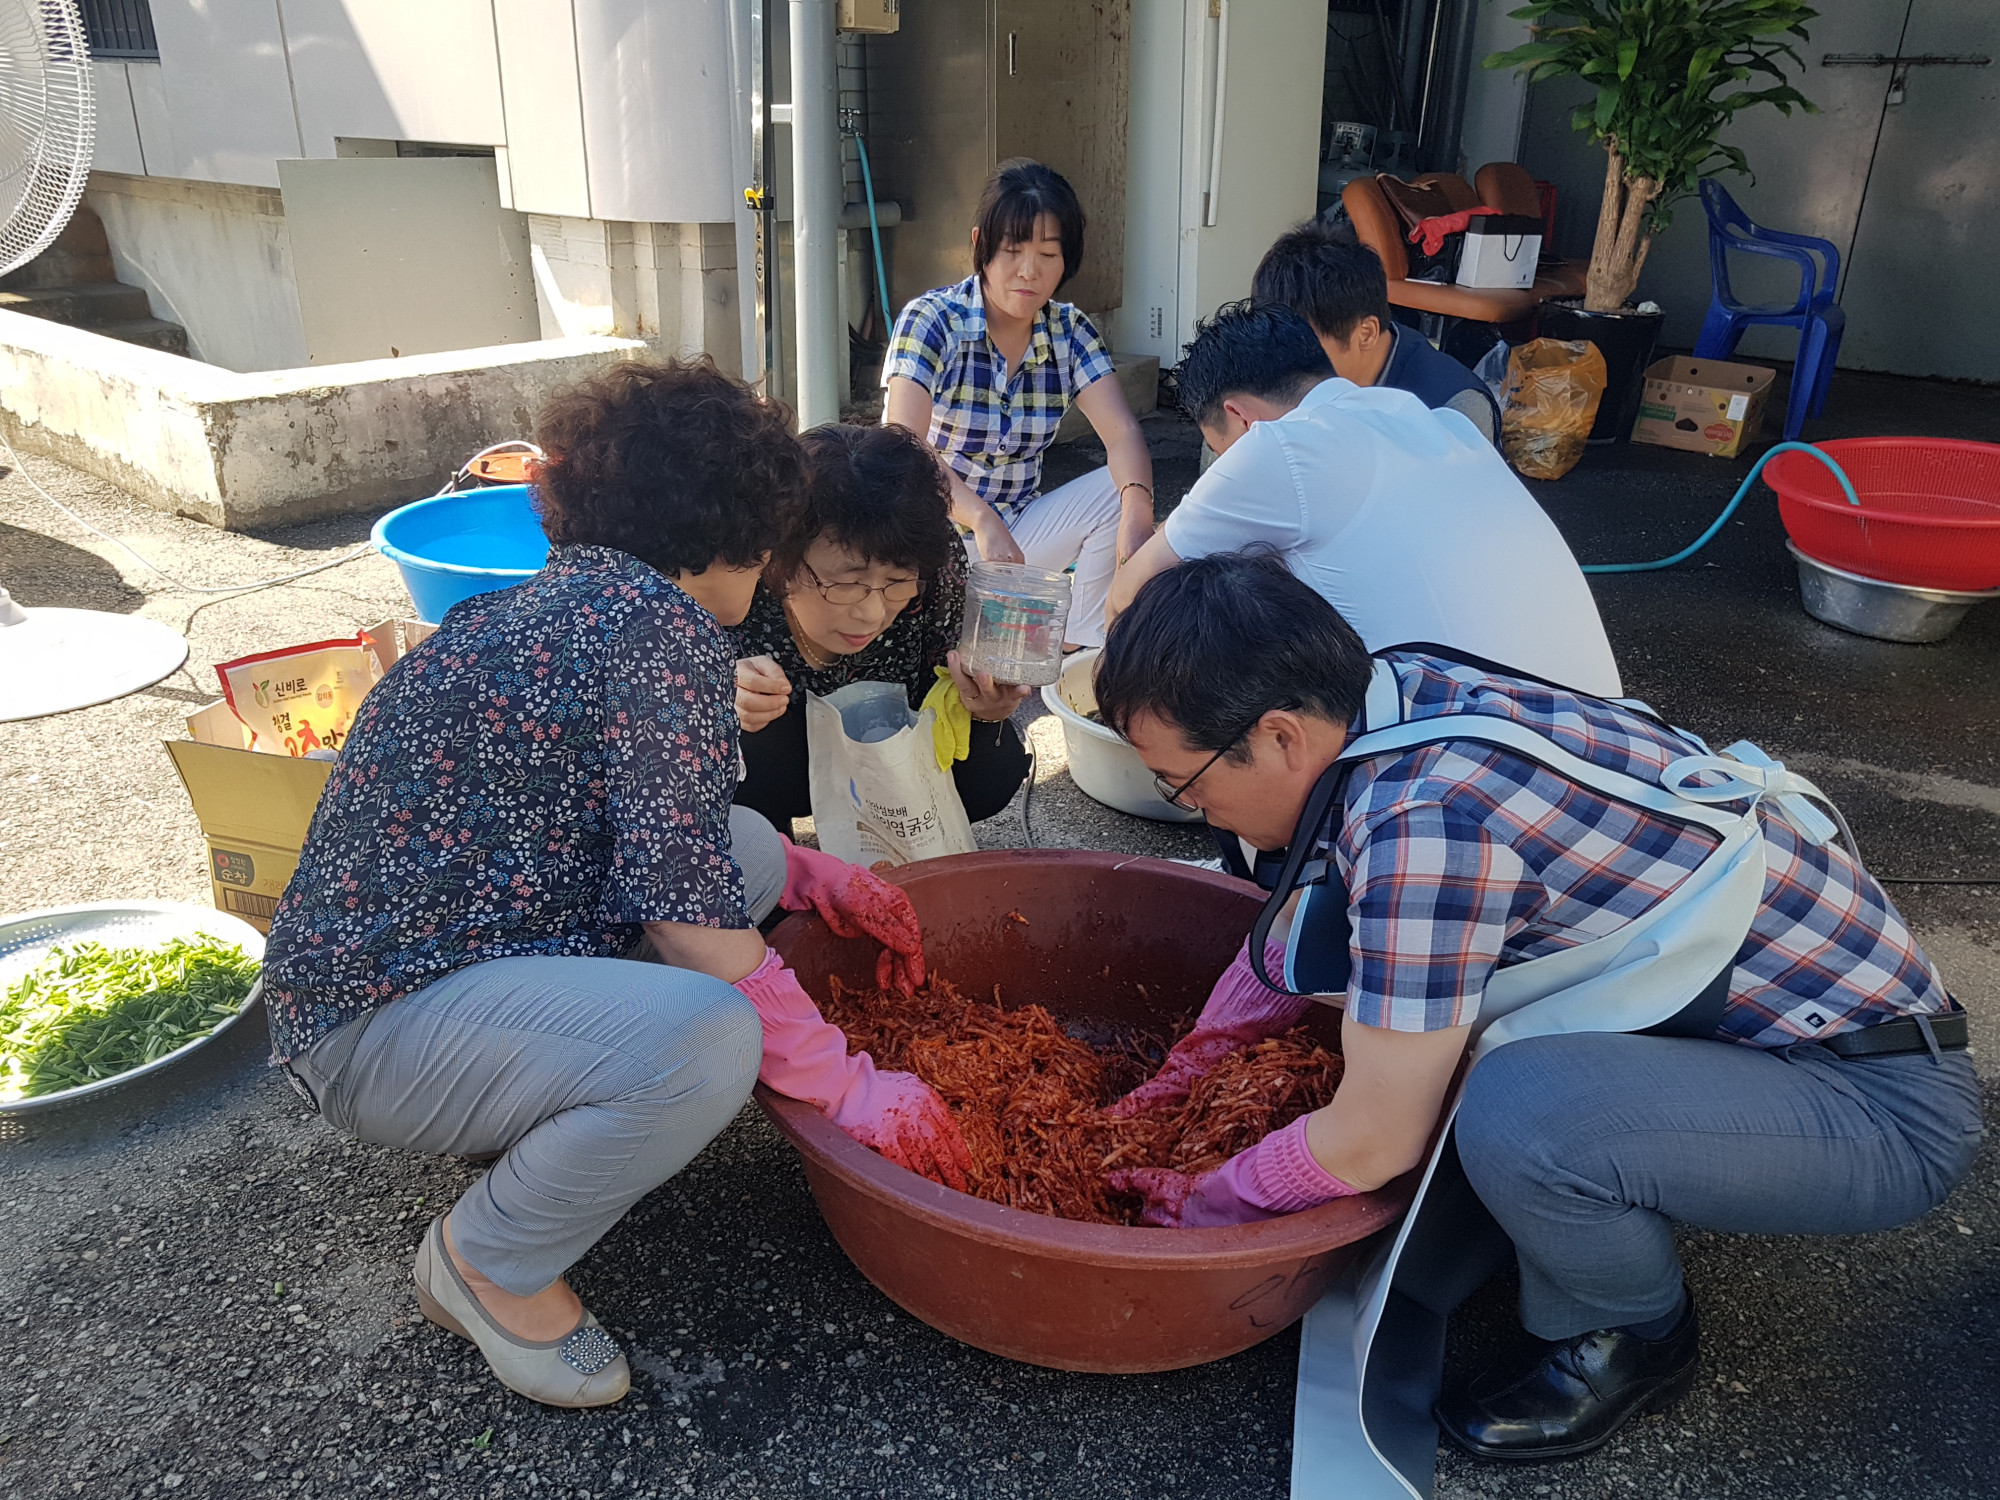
column 853, row 114
column 746, row 47
column 1410, row 47
column 764, row 184
column 1426, row 116
column 822, row 344
column 1455, row 65
column 1212, row 200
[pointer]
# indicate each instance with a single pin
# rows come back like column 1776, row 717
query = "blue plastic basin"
column 451, row 547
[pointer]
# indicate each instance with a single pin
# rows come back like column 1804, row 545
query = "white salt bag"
column 877, row 792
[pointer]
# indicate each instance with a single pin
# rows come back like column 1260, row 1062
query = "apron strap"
column 1701, row 1017
column 1461, row 658
column 1230, row 848
column 1325, row 791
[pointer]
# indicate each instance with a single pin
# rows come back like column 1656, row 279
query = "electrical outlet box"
column 878, row 17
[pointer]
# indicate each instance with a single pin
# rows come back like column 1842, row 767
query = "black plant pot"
column 1625, row 339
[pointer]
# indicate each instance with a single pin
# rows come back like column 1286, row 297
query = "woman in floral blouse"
column 869, row 587
column 527, row 801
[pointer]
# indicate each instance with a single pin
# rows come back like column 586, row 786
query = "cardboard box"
column 1702, row 405
column 254, row 807
column 877, row 16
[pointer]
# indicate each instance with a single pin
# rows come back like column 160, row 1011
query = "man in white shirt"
column 1403, row 518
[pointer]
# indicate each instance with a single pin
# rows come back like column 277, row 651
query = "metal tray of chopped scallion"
column 96, row 997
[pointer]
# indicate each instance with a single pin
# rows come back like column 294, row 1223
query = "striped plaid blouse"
column 1463, row 856
column 993, row 425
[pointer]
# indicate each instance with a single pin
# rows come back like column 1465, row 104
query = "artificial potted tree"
column 1670, row 75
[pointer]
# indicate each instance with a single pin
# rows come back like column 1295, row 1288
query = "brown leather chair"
column 1459, row 193
column 1377, row 226
column 1509, row 187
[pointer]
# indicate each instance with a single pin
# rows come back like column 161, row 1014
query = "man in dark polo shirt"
column 1339, row 287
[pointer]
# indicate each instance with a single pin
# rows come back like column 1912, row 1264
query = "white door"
column 1254, row 99
column 1179, row 267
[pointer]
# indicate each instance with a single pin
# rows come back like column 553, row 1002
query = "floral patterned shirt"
column 549, row 770
column 909, row 651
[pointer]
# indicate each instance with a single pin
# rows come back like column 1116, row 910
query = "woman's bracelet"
column 1134, row 484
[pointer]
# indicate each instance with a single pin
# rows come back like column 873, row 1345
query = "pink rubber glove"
column 858, row 903
column 1240, row 1011
column 1276, row 1176
column 805, row 1057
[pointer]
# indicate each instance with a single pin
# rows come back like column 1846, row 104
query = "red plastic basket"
column 1929, row 514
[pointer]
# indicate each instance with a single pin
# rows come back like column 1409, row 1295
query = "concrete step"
column 89, row 304
column 152, row 333
column 80, row 253
column 55, row 267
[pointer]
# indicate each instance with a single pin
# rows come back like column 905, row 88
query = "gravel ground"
column 203, row 1291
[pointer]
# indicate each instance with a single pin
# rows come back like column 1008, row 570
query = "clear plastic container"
column 1014, row 619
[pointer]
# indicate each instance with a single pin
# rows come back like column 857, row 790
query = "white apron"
column 1371, row 1351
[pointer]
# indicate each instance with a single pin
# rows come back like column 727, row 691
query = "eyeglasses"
column 900, row 592
column 1174, row 793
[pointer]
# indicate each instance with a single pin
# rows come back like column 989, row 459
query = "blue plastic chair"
column 1819, row 320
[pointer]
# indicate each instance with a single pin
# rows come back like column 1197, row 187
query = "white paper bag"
column 1500, row 250
column 877, row 792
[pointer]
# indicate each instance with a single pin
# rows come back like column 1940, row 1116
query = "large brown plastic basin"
column 1048, row 1291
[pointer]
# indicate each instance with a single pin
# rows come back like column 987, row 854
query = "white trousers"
column 1074, row 523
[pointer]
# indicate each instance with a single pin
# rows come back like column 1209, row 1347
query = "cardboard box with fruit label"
column 1704, row 405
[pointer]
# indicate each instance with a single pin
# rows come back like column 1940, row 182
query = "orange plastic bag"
column 1553, row 387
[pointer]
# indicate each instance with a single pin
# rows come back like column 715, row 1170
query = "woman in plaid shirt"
column 984, row 370
column 1817, row 1084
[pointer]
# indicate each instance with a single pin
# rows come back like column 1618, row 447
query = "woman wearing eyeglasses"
column 868, row 588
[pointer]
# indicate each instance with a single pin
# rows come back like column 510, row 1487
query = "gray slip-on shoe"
column 584, row 1368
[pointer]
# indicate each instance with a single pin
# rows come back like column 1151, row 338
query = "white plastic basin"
column 1108, row 769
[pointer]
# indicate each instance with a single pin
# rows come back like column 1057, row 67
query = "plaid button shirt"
column 1463, row 856
column 993, row 425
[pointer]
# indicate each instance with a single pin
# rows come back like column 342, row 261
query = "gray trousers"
column 1584, row 1148
column 596, row 1079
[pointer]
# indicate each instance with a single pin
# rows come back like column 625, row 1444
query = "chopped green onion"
column 90, row 1012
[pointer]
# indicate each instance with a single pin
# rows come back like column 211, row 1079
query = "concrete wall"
column 673, row 285
column 628, row 118
column 247, row 451
column 614, row 109
column 213, row 257
column 217, row 259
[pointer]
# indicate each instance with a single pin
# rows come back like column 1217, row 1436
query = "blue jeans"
column 1584, row 1147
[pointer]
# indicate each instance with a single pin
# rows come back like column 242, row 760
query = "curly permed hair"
column 877, row 491
column 676, row 463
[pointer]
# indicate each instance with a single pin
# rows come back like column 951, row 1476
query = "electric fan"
column 57, row 659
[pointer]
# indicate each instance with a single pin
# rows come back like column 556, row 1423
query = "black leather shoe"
column 1572, row 1395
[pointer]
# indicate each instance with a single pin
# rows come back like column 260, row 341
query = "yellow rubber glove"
column 951, row 730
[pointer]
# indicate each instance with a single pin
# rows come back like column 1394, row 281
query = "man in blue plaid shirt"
column 1816, row 1084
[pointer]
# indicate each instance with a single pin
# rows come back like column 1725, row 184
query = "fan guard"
column 47, row 124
